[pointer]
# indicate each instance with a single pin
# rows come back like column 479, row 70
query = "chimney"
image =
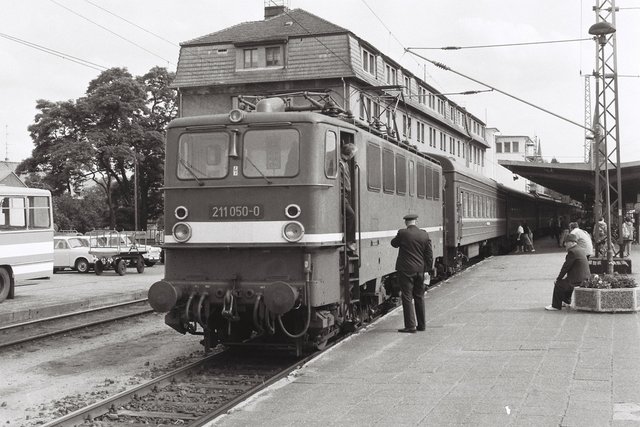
column 274, row 8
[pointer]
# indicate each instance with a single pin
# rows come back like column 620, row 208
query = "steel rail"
column 102, row 407
column 70, row 328
column 72, row 314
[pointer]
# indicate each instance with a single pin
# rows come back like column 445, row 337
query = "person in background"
column 527, row 238
column 555, row 229
column 600, row 237
column 627, row 236
column 415, row 258
column 584, row 239
column 519, row 241
column 564, row 230
column 348, row 150
column 576, row 268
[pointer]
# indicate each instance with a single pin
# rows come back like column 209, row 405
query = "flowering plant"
column 610, row 281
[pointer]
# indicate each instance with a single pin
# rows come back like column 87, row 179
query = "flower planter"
column 606, row 300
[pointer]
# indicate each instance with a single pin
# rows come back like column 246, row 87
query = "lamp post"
column 602, row 30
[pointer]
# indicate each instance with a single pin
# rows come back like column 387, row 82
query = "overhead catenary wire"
column 446, row 68
column 132, row 23
column 111, row 31
column 501, row 45
column 394, row 36
column 54, row 52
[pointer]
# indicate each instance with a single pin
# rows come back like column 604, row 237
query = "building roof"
column 293, row 23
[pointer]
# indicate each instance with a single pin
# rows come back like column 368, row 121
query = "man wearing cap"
column 347, row 152
column 415, row 257
column 576, row 268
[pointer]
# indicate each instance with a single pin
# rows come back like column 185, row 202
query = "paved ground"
column 491, row 356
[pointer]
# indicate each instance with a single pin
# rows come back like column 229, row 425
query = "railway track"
column 192, row 395
column 42, row 328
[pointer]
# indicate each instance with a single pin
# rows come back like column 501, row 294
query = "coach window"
column 271, row 153
column 436, row 185
column 388, row 171
column 330, row 154
column 428, row 177
column 401, row 175
column 466, row 205
column 203, row 155
column 39, row 212
column 13, row 213
column 412, row 178
column 374, row 178
column 420, row 178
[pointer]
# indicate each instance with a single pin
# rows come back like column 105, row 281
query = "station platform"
column 69, row 291
column 491, row 356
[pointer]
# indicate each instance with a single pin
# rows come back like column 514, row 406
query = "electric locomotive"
column 255, row 223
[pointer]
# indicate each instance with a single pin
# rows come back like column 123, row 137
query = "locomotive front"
column 251, row 247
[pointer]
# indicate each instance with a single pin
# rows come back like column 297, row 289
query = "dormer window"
column 368, row 62
column 260, row 57
column 250, row 58
column 273, row 56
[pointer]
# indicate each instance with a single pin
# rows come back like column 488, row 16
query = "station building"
column 296, row 51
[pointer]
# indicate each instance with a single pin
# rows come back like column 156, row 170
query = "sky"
column 548, row 75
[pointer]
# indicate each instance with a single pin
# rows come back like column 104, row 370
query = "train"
column 255, row 246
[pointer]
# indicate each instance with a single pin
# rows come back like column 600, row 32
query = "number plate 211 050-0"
column 236, row 212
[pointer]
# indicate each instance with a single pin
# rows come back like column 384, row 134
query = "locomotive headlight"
column 236, row 116
column 181, row 232
column 292, row 231
column 292, row 211
column 181, row 212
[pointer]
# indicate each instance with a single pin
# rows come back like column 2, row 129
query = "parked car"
column 152, row 254
column 72, row 252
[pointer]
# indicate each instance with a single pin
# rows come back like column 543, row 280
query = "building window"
column 251, row 58
column 422, row 132
column 391, row 75
column 515, row 147
column 368, row 62
column 498, row 147
column 273, row 56
column 432, row 101
column 458, row 148
column 443, row 141
column 441, row 106
column 422, row 95
column 452, row 149
column 507, row 147
column 407, row 85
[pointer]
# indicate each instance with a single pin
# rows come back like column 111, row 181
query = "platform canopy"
column 576, row 179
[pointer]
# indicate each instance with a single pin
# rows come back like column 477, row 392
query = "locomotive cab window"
column 330, row 155
column 203, row 155
column 271, row 153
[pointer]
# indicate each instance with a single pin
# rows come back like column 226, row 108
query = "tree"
column 100, row 137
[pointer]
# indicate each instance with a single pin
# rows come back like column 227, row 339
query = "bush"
column 610, row 281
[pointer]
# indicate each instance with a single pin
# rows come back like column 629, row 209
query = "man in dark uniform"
column 576, row 267
column 347, row 152
column 415, row 258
